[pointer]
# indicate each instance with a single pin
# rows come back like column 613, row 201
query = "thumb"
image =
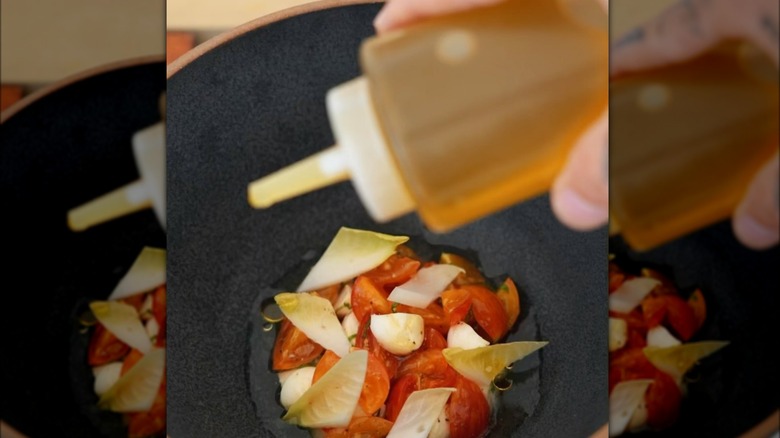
column 757, row 218
column 580, row 194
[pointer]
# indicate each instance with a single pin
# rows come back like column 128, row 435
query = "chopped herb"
column 352, row 337
column 394, row 308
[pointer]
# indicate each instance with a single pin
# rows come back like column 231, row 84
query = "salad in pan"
column 378, row 343
column 127, row 346
column 651, row 326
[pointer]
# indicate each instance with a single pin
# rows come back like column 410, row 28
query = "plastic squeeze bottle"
column 460, row 116
column 687, row 139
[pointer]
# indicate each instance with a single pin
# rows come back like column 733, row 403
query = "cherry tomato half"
column 292, row 348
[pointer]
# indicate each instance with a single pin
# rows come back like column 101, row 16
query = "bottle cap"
column 362, row 154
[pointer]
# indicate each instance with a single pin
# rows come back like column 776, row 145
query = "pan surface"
column 736, row 388
column 61, row 148
column 255, row 103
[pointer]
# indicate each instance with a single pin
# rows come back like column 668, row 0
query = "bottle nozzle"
column 312, row 173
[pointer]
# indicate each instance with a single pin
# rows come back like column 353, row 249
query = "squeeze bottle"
column 687, row 139
column 460, row 116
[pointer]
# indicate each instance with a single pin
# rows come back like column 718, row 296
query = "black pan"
column 738, row 387
column 60, row 148
column 251, row 102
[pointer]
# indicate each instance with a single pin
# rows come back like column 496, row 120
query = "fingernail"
column 753, row 233
column 581, row 213
column 380, row 22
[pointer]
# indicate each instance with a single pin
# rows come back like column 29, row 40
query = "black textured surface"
column 66, row 148
column 738, row 387
column 257, row 103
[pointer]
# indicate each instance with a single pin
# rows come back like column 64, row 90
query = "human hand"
column 687, row 29
column 580, row 194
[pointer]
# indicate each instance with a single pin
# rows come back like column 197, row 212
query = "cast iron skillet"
column 60, row 148
column 251, row 102
column 736, row 388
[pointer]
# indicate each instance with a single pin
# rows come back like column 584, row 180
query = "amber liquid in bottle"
column 481, row 108
column 686, row 140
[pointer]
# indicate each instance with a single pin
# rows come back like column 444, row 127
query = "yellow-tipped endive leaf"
column 137, row 389
column 351, row 253
column 146, row 273
column 331, row 401
column 677, row 360
column 124, row 322
column 419, row 413
column 315, row 317
column 482, row 365
column 625, row 398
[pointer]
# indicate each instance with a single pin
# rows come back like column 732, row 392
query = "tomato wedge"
column 130, row 360
column 375, row 388
column 431, row 368
column 433, row 339
column 330, row 293
column 509, row 297
column 362, row 427
column 401, row 390
column 292, row 348
column 159, row 306
column 395, row 270
column 368, row 298
column 468, row 410
column 456, row 304
column 488, row 311
column 433, row 316
column 104, row 347
column 673, row 310
column 663, row 399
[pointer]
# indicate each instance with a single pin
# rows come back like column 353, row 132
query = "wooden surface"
column 199, row 15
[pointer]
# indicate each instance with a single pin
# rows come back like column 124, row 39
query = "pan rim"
column 257, row 23
column 75, row 78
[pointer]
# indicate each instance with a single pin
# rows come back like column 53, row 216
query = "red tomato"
column 362, row 427
column 488, row 311
column 136, row 300
column 366, row 340
column 330, row 293
column 151, row 423
column 292, row 348
column 663, row 402
column 431, row 368
column 159, row 306
column 665, row 288
column 368, row 298
column 635, row 320
column 433, row 339
column 433, row 316
column 130, row 360
column 376, row 385
column 673, row 310
column 510, row 300
column 468, row 410
column 456, row 304
column 104, row 347
column 616, row 278
column 699, row 307
column 636, row 339
column 629, row 364
column 401, row 390
column 394, row 271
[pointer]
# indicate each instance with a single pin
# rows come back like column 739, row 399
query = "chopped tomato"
column 394, row 271
column 468, row 410
column 104, row 347
column 292, row 348
column 665, row 288
column 616, row 277
column 368, row 298
column 431, row 368
column 362, row 427
column 433, row 339
column 401, row 390
column 330, row 293
column 510, row 299
column 136, row 300
column 629, row 364
column 130, row 360
column 699, row 307
column 488, row 312
column 663, row 399
column 672, row 309
column 456, row 304
column 471, row 274
column 159, row 306
column 375, row 387
column 150, row 423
